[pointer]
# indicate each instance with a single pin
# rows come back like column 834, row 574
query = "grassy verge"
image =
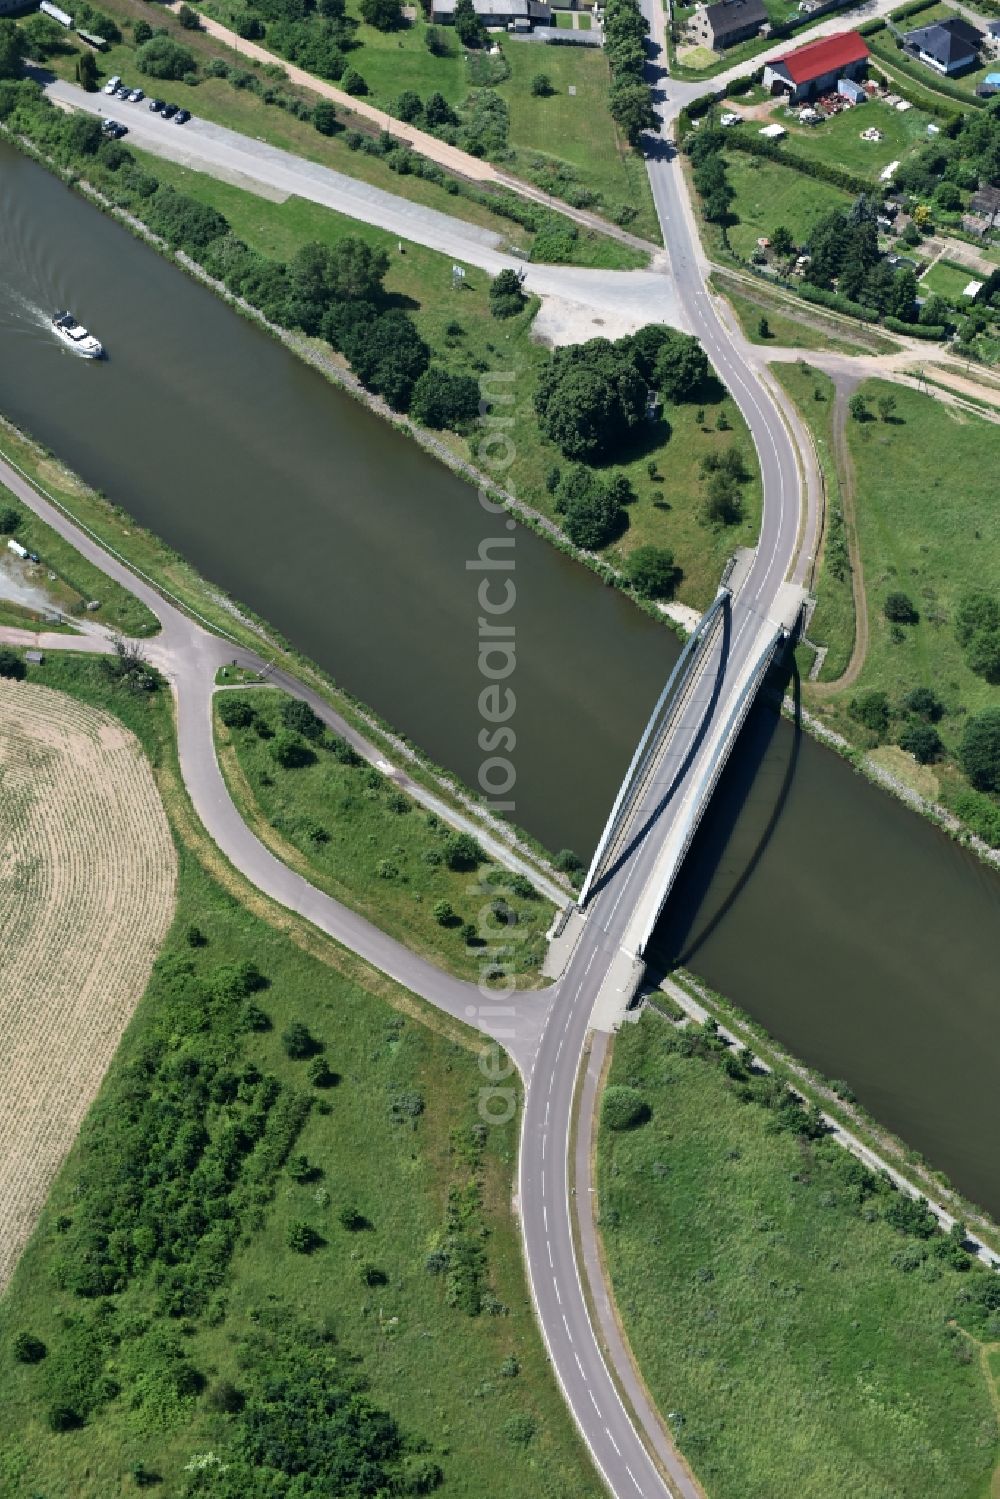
column 76, row 581
column 347, row 829
column 788, row 327
column 803, row 1344
column 460, row 327
column 245, row 111
column 833, row 622
column 172, row 1362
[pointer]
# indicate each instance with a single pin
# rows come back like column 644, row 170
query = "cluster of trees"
column 724, row 474
column 630, row 99
column 965, row 153
column 592, row 509
column 162, row 57
column 704, row 147
column 844, row 249
column 592, row 397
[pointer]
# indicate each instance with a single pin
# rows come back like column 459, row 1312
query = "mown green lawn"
column 799, row 1346
column 460, row 328
column 837, row 141
column 350, row 832
column 399, row 1129
column 768, row 195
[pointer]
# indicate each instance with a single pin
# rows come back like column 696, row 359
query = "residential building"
column 726, row 23
column 818, row 67
column 949, row 47
column 519, row 14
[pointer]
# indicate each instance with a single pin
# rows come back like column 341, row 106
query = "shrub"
column 302, row 1238
column 352, row 82
column 372, row 1275
column 226, row 1398
column 291, row 752
column 444, row 913
column 350, row 1219
column 10, row 519
column 441, row 399
column 384, row 15
column 189, row 19
column 319, row 1072
column 299, row 718
column 250, row 28
column 979, row 750
column 911, row 1216
column 900, row 608
column 507, row 297
column 925, row 703
column 541, row 86
column 623, row 1107
column 141, row 32
column 872, row 710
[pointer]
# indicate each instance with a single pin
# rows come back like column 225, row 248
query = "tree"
column 299, row 1042
column 903, row 295
column 250, row 28
column 29, row 1349
column 384, row 15
column 886, row 406
column 977, row 613
column 13, row 48
column 900, row 609
column 979, row 750
column 351, row 1219
column 922, row 741
column 782, row 243
column 441, row 399
column 86, row 72
column 438, row 112
column 763, row 328
column 236, row 712
column 631, row 106
column 623, row 1108
column 409, row 106
column 652, row 572
column 723, row 501
column 872, row 710
column 389, row 356
column 324, row 117
column 161, row 57
column 858, row 408
column 141, row 32
column 593, row 516
column 83, row 134
column 682, row 367
column 189, row 19
column 11, row 664
column 541, row 86
column 935, row 313
column 10, row 519
column 507, row 297
column 443, row 913
column 590, row 398
column 468, row 27
column 948, row 197
column 320, row 1073
column 436, row 42
column 461, row 851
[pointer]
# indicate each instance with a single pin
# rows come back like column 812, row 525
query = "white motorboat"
column 75, row 337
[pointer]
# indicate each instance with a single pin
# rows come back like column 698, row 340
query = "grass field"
column 785, row 331
column 669, row 508
column 574, row 133
column 77, row 581
column 348, row 830
column 86, row 896
column 949, row 280
column 768, row 195
column 802, row 1346
column 837, row 141
column 456, row 1361
column 833, row 622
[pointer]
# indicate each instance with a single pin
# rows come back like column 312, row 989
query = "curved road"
column 544, row 1032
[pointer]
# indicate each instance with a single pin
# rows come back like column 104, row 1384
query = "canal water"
column 854, row 931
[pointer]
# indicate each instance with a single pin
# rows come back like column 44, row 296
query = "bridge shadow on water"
column 737, row 826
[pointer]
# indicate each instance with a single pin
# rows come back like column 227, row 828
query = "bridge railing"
column 647, row 744
column 707, row 782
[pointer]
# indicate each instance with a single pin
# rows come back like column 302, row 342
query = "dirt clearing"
column 87, row 876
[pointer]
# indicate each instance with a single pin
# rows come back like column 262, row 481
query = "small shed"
column 34, row 658
column 851, row 91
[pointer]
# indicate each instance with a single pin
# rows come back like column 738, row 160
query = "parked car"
column 169, row 110
column 182, row 116
column 112, row 84
column 113, row 128
column 156, row 105
column 136, row 96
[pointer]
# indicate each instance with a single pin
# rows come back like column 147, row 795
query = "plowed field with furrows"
column 87, row 876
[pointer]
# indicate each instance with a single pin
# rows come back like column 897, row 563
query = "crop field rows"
column 87, row 875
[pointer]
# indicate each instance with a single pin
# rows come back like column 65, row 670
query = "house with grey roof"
column 949, row 47
column 727, row 22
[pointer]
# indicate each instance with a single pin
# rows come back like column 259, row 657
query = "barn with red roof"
column 817, row 67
